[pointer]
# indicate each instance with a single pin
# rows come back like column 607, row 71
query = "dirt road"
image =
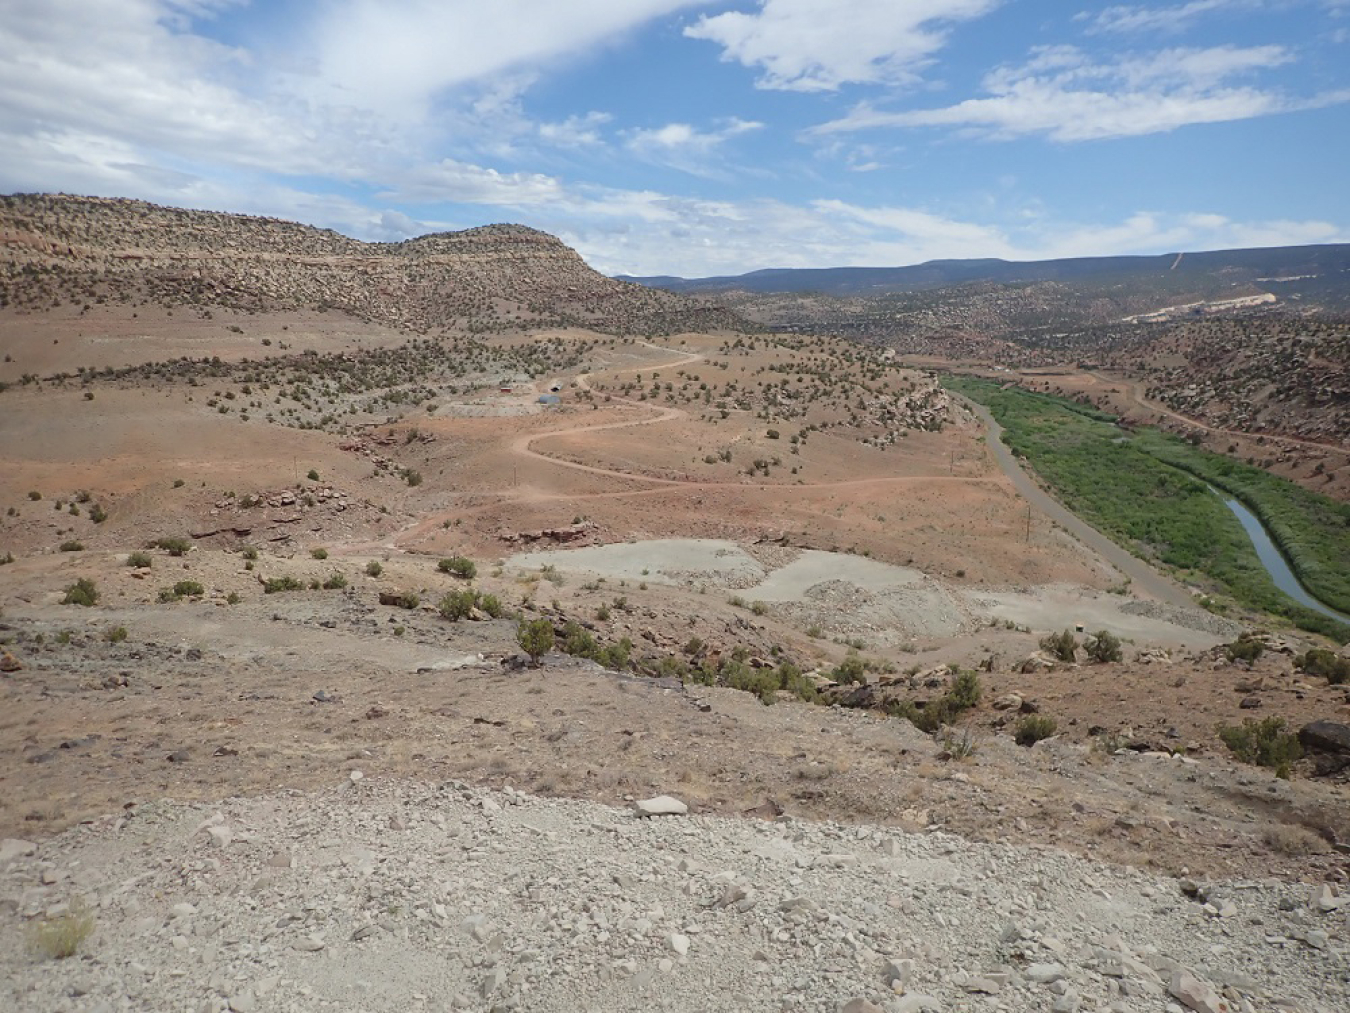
column 1142, row 576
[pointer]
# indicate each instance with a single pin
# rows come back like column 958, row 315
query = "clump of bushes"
column 1103, row 646
column 373, row 568
column 173, row 546
column 116, row 635
column 183, row 589
column 318, row 553
column 457, row 604
column 458, row 566
column 335, row 582
column 273, row 585
column 1320, row 661
column 963, row 694
column 1061, row 646
column 1032, row 728
column 82, row 592
column 72, row 545
column 140, row 560
column 1245, row 648
column 1264, row 743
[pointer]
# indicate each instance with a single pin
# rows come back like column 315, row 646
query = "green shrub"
column 249, row 552
column 6, row 559
column 535, row 638
column 97, row 514
column 313, row 475
column 233, row 598
column 373, row 568
column 1320, row 661
column 965, row 691
column 178, row 483
column 458, row 566
column 411, row 476
column 492, row 605
column 1103, row 646
column 183, row 589
column 458, row 605
column 318, row 553
column 73, row 545
column 116, row 635
column 1032, row 728
column 1060, row 646
column 273, row 585
column 616, row 655
column 34, row 495
column 140, row 560
column 759, row 608
column 174, row 546
column 1244, row 648
column 851, row 670
column 335, row 582
column 1264, row 743
column 82, row 592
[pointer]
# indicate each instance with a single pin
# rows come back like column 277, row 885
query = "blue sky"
column 700, row 137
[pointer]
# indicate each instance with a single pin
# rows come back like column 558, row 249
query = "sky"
column 703, row 137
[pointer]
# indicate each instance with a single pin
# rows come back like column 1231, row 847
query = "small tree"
column 1060, row 646
column 1103, row 646
column 535, row 638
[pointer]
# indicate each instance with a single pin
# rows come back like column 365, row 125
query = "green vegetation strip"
column 1146, row 490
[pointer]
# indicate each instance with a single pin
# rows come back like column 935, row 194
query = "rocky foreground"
column 391, row 895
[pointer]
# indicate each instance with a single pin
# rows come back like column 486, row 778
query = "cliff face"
column 57, row 249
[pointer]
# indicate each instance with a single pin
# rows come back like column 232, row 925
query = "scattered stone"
column 860, row 1005
column 679, row 943
column 661, row 805
column 1195, row 994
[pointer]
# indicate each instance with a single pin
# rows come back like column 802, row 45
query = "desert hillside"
column 63, row 250
column 352, row 594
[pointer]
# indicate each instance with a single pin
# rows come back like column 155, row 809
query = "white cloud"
column 1064, row 95
column 396, row 56
column 462, row 183
column 819, row 45
column 1134, row 18
column 687, row 148
column 575, row 131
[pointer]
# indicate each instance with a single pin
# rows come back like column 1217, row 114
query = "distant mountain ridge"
column 57, row 249
column 1233, row 266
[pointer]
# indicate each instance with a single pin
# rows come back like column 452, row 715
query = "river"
column 1273, row 559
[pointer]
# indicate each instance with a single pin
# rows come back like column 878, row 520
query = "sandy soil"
column 923, row 552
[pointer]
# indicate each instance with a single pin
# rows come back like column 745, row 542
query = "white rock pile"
column 389, row 896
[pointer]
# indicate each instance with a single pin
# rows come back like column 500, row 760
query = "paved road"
column 1143, row 578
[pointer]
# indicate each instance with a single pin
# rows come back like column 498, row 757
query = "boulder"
column 662, row 805
column 1325, row 737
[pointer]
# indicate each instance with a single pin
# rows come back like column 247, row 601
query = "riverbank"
column 1140, row 489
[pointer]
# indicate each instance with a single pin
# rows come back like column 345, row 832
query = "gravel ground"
column 391, row 895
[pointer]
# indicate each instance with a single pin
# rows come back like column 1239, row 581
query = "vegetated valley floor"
column 720, row 471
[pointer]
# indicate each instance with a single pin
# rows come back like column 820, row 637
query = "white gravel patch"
column 389, row 896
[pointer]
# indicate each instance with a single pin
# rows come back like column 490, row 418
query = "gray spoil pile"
column 406, row 897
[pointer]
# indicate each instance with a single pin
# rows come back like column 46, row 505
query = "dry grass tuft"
column 1292, row 839
column 61, row 937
